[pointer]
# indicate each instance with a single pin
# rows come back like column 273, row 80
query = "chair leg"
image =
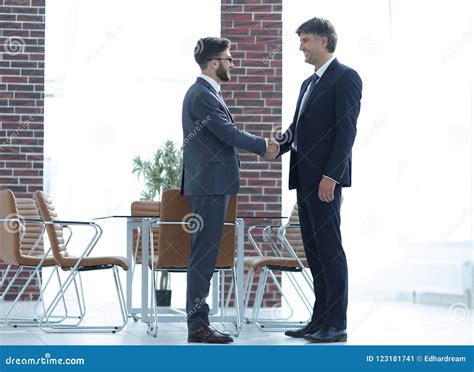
column 80, row 298
column 300, row 292
column 229, row 294
column 4, row 278
column 12, row 281
column 47, row 326
column 43, row 290
column 248, row 291
column 222, row 301
column 279, row 325
column 66, row 315
column 22, row 291
column 121, row 298
column 153, row 325
column 238, row 324
column 259, row 295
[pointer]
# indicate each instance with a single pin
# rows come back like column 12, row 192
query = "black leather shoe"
column 209, row 335
column 327, row 335
column 307, row 329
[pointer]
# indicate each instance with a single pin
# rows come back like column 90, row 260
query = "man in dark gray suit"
column 210, row 175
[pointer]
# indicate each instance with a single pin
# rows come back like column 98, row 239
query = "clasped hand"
column 273, row 149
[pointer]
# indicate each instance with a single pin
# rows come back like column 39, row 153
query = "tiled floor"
column 382, row 323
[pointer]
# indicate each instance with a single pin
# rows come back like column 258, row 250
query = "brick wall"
column 254, row 96
column 22, row 34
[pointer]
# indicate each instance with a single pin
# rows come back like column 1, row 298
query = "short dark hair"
column 209, row 47
column 320, row 27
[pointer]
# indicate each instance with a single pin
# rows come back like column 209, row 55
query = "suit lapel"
column 202, row 81
column 221, row 100
column 298, row 103
column 319, row 88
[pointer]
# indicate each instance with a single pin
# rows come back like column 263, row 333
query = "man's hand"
column 326, row 189
column 273, row 149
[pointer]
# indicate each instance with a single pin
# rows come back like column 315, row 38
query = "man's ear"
column 324, row 41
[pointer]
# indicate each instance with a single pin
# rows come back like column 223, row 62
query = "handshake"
column 273, row 149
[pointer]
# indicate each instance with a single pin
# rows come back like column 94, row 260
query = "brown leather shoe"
column 223, row 333
column 209, row 335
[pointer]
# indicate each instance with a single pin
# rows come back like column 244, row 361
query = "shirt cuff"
column 330, row 179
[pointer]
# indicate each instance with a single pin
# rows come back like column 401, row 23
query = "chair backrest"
column 174, row 241
column 27, row 209
column 10, row 231
column 144, row 208
column 55, row 232
column 293, row 235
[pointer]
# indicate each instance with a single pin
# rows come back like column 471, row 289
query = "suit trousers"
column 320, row 229
column 205, row 243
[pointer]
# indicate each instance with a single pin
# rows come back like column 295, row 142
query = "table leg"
column 130, row 271
column 146, row 225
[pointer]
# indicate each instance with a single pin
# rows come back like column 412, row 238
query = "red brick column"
column 22, row 34
column 254, row 96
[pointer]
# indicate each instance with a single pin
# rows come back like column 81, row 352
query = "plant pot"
column 163, row 297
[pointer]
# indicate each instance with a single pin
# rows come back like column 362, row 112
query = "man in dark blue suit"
column 320, row 140
column 210, row 174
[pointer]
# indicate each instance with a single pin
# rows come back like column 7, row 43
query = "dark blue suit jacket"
column 326, row 129
column 210, row 142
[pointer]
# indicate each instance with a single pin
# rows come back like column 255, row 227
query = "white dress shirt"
column 214, row 84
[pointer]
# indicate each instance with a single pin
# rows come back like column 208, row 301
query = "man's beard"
column 222, row 73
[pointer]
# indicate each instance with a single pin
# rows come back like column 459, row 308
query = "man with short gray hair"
column 320, row 139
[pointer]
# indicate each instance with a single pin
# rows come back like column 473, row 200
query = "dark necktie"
column 304, row 101
column 314, row 80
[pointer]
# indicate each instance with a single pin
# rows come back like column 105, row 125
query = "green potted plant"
column 160, row 173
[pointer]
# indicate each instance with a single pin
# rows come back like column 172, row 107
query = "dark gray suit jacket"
column 210, row 138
